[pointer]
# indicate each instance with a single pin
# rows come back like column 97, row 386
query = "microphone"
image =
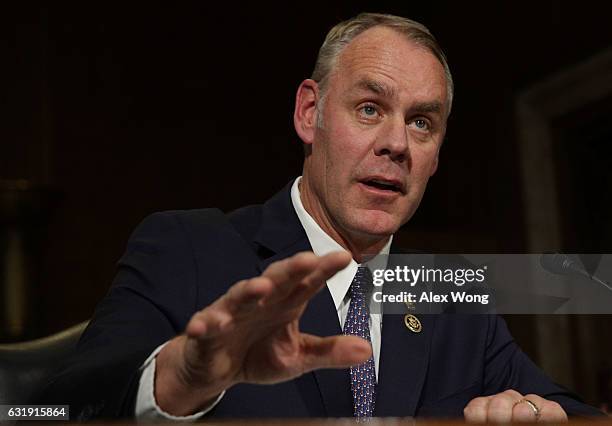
column 562, row 264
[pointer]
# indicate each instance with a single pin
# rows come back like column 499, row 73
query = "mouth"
column 382, row 184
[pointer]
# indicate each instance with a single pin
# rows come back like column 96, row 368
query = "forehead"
column 388, row 56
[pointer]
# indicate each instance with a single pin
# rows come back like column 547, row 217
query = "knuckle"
column 302, row 259
column 511, row 393
column 500, row 402
column 479, row 402
column 237, row 287
column 552, row 406
column 305, row 255
column 536, row 399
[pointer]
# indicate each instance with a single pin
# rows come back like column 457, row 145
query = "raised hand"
column 251, row 335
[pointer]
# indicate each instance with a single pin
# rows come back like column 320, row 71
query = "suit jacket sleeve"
column 136, row 316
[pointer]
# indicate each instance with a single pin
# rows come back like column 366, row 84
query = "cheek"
column 345, row 149
column 424, row 163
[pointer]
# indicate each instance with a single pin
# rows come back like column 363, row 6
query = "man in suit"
column 237, row 317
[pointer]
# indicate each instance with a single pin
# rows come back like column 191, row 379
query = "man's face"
column 382, row 123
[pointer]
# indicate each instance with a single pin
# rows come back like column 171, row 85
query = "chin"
column 376, row 223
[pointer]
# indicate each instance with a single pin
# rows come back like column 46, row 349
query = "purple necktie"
column 363, row 376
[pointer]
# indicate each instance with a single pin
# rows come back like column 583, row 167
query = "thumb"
column 334, row 351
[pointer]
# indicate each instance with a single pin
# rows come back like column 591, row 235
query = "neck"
column 362, row 246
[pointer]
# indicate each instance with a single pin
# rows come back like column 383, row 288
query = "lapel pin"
column 412, row 323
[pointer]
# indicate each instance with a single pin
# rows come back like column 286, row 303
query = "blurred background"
column 111, row 111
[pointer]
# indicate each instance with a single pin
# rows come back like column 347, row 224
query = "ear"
column 305, row 113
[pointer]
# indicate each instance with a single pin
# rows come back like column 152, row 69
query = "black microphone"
column 562, row 264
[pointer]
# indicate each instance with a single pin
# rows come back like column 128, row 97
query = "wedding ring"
column 535, row 408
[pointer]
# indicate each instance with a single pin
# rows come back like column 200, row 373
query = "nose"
column 393, row 141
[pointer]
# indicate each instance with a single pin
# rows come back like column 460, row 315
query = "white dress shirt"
column 340, row 283
column 146, row 407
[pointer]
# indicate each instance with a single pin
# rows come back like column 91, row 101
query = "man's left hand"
column 511, row 406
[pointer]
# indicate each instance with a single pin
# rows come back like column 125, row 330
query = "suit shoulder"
column 197, row 225
column 247, row 220
column 172, row 229
column 170, row 220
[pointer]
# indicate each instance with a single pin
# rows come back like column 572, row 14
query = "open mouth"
column 384, row 185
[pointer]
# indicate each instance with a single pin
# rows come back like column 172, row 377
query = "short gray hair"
column 344, row 32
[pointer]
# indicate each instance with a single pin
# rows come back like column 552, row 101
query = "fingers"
column 493, row 409
column 476, row 410
column 334, row 351
column 288, row 283
column 524, row 412
column 241, row 297
column 550, row 411
column 302, row 275
column 287, row 273
column 327, row 267
column 209, row 322
column 511, row 406
column 501, row 406
column 245, row 295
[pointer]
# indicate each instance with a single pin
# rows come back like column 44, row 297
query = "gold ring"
column 535, row 408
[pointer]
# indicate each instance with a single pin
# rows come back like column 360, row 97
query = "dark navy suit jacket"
column 178, row 262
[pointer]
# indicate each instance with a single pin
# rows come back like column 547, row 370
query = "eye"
column 421, row 124
column 368, row 112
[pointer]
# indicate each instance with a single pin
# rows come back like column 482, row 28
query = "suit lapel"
column 321, row 319
column 404, row 360
column 281, row 233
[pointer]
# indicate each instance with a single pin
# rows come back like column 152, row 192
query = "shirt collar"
column 322, row 244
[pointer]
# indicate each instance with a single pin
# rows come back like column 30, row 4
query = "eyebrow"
column 428, row 107
column 376, row 87
column 384, row 90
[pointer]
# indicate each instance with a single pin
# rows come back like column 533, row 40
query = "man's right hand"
column 251, row 335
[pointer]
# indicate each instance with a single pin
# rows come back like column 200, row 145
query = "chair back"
column 25, row 367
